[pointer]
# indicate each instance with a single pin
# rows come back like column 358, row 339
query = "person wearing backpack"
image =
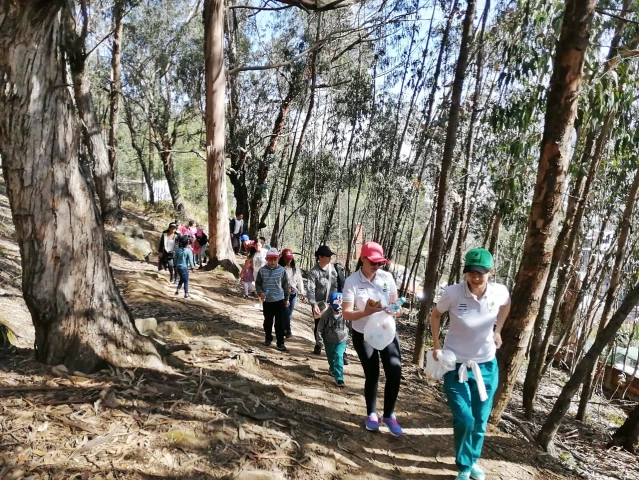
column 236, row 225
column 322, row 281
column 168, row 242
column 334, row 332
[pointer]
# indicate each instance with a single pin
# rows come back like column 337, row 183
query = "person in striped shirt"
column 272, row 287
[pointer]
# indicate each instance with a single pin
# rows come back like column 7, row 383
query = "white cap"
column 272, row 253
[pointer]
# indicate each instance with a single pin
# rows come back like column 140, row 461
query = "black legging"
column 392, row 362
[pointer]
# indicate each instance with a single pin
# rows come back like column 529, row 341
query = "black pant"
column 392, row 362
column 274, row 311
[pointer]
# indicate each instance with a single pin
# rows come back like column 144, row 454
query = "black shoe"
column 340, row 383
column 331, row 372
column 281, row 348
column 289, row 334
column 267, row 343
column 346, row 360
column 317, row 350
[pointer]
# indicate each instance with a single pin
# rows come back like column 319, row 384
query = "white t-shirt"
column 358, row 289
column 470, row 336
column 238, row 226
column 259, row 260
column 169, row 243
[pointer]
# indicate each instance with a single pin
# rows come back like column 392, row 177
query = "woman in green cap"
column 477, row 309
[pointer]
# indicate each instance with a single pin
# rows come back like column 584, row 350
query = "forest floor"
column 232, row 408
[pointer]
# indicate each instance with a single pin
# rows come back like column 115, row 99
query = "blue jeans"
column 292, row 299
column 470, row 414
column 335, row 356
column 183, row 273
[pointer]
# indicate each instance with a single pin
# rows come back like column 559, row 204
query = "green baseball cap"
column 478, row 260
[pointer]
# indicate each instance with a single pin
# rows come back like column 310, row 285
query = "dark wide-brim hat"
column 324, row 251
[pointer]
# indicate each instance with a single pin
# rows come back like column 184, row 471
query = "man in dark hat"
column 322, row 281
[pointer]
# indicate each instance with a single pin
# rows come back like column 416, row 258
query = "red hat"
column 287, row 253
column 374, row 252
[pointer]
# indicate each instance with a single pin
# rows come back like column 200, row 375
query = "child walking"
column 183, row 259
column 247, row 274
column 334, row 331
column 272, row 287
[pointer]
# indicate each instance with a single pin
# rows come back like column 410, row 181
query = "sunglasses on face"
column 376, row 264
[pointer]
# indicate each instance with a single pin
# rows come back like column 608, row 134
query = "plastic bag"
column 379, row 332
column 436, row 369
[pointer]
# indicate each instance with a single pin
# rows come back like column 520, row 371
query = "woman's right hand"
column 369, row 310
column 436, row 348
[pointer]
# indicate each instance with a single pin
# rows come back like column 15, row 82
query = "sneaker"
column 267, row 343
column 463, row 476
column 177, row 292
column 245, row 297
column 317, row 350
column 281, row 348
column 372, row 422
column 477, row 473
column 331, row 372
column 393, row 426
column 340, row 383
column 289, row 334
column 346, row 360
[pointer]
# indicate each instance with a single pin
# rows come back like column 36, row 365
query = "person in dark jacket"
column 334, row 332
column 168, row 243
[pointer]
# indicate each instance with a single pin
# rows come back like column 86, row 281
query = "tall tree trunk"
column 91, row 132
column 561, row 108
column 446, row 166
column 469, row 150
column 220, row 249
column 237, row 154
column 166, row 156
column 116, row 89
column 288, row 188
column 615, row 280
column 603, row 338
column 265, row 162
column 128, row 115
column 79, row 316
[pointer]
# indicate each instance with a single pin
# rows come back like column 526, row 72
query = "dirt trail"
column 232, row 408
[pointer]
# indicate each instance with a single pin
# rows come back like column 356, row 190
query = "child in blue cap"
column 334, row 331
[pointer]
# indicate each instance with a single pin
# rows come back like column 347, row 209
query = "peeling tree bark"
column 446, row 167
column 561, row 110
column 79, row 316
column 220, row 249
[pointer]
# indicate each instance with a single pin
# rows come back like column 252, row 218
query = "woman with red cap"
column 369, row 282
column 295, row 286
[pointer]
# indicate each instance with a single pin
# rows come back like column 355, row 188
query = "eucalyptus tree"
column 78, row 51
column 553, row 162
column 80, row 318
column 595, row 139
column 442, row 190
column 163, row 77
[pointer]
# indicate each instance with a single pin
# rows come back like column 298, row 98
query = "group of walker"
column 477, row 309
column 180, row 248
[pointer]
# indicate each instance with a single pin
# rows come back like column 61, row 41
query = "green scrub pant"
column 470, row 414
column 335, row 356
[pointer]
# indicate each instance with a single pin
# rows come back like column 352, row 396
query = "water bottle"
column 396, row 305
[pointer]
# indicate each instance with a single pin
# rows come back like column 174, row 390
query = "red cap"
column 374, row 252
column 287, row 253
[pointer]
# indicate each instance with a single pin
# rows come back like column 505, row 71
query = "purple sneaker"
column 372, row 422
column 393, row 426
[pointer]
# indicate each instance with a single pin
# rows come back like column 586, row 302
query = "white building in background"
column 138, row 191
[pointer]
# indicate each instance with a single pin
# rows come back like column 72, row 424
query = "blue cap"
column 336, row 301
column 244, row 238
